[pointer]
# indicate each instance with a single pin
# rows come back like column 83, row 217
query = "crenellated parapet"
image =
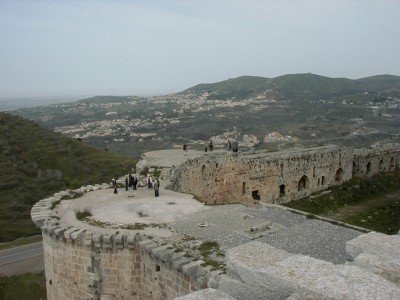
column 84, row 264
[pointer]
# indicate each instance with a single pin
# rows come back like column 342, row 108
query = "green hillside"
column 239, row 88
column 36, row 162
column 313, row 86
column 381, row 83
column 295, row 86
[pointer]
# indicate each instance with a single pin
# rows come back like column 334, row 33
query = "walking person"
column 126, row 183
column 205, row 147
column 157, row 188
column 114, row 184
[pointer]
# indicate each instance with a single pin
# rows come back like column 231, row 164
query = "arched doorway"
column 339, row 175
column 303, row 183
column 369, row 168
column 381, row 165
column 354, row 168
column 392, row 164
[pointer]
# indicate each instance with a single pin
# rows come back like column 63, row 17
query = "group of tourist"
column 132, row 181
column 209, row 146
column 155, row 185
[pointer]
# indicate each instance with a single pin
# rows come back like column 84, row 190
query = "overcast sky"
column 67, row 48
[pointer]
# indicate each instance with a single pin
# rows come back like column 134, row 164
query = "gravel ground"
column 229, row 224
column 314, row 238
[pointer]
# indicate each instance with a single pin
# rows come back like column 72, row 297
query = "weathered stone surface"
column 206, row 294
column 240, row 290
column 192, row 267
column 284, row 274
column 377, row 252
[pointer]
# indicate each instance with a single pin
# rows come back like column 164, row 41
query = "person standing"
column 126, row 183
column 157, row 188
column 130, row 179
column 205, row 147
column 134, row 182
column 211, row 146
column 149, row 182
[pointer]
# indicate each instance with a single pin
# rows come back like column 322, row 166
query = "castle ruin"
column 269, row 252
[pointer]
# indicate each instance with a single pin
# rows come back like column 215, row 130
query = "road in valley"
column 22, row 259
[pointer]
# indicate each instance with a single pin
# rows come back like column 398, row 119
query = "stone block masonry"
column 104, row 266
column 278, row 177
column 80, row 264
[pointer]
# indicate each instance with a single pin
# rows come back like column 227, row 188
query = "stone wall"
column 369, row 162
column 80, row 264
column 277, row 177
column 94, row 267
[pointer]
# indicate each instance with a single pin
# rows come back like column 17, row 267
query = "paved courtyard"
column 229, row 225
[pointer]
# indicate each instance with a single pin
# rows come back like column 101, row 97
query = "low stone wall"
column 277, row 177
column 80, row 264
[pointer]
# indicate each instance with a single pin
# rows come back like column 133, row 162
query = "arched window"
column 313, row 171
column 354, row 168
column 303, row 183
column 323, row 181
column 339, row 175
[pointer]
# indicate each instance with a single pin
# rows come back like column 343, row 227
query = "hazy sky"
column 57, row 48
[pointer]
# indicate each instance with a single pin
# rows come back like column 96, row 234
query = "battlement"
column 110, row 263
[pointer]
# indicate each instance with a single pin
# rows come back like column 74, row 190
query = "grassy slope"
column 36, row 162
column 361, row 202
column 27, row 286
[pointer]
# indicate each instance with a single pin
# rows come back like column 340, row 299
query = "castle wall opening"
column 381, row 167
column 256, row 195
column 369, row 168
column 392, row 164
column 339, row 175
column 303, row 183
column 282, row 191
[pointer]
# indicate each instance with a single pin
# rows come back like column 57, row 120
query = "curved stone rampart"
column 81, row 264
column 277, row 177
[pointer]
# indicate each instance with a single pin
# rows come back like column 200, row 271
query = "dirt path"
column 351, row 210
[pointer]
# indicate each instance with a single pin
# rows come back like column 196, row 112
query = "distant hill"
column 106, row 99
column 294, row 86
column 36, row 162
column 239, row 88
